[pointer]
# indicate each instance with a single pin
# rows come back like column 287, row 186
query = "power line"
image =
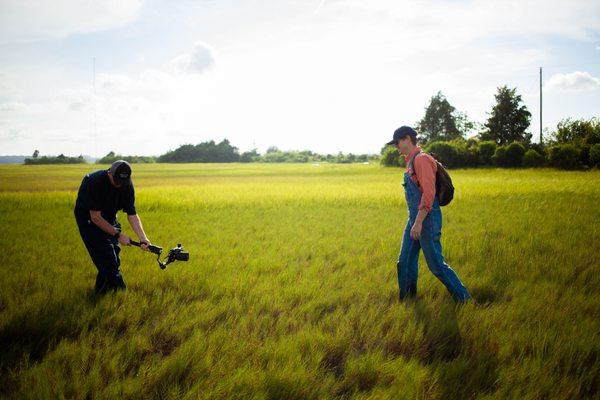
column 95, row 113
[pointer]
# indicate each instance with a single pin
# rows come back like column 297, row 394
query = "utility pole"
column 541, row 105
column 95, row 117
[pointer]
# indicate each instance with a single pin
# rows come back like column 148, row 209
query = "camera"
column 178, row 254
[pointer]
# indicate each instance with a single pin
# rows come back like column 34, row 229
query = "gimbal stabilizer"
column 175, row 254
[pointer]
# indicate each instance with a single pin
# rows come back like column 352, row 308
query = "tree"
column 595, row 155
column 112, row 157
column 203, row 152
column 36, row 153
column 564, row 156
column 514, row 154
column 453, row 153
column 60, row 159
column 533, row 159
column 442, row 122
column 249, row 156
column 464, row 124
column 487, row 150
column 509, row 119
column 510, row 155
column 579, row 132
column 390, row 157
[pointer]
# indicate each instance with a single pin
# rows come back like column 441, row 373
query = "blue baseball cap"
column 402, row 132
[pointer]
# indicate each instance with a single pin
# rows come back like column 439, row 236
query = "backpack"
column 444, row 188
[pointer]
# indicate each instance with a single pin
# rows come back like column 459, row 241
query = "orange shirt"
column 425, row 168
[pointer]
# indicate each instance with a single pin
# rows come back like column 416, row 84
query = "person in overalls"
column 101, row 195
column 424, row 227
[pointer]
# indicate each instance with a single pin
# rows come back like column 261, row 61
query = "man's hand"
column 415, row 231
column 144, row 244
column 124, row 239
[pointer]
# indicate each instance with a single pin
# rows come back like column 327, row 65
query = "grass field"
column 291, row 293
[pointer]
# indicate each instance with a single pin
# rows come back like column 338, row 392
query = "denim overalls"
column 430, row 243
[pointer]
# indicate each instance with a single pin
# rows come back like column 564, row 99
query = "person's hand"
column 124, row 239
column 415, row 231
column 144, row 244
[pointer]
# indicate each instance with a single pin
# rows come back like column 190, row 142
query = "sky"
column 144, row 77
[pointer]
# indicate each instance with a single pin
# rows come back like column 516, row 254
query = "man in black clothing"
column 101, row 195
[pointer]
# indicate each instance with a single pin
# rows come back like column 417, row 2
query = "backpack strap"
column 411, row 166
column 412, row 161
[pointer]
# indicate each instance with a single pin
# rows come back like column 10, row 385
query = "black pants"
column 104, row 251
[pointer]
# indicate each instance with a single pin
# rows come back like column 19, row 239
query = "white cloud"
column 145, row 113
column 41, row 20
column 199, row 59
column 574, row 81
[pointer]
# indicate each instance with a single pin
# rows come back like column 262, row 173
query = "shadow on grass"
column 31, row 333
column 485, row 295
column 443, row 340
column 492, row 292
column 463, row 368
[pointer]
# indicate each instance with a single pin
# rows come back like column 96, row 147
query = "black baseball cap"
column 121, row 172
column 402, row 132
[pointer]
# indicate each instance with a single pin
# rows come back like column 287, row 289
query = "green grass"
column 291, row 293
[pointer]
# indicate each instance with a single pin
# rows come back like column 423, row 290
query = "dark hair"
column 413, row 139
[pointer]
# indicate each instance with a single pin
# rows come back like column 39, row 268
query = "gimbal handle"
column 153, row 249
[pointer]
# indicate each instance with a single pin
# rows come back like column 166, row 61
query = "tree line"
column 225, row 152
column 60, row 159
column 449, row 135
column 213, row 152
column 503, row 140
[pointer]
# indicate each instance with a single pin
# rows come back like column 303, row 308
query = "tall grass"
column 290, row 291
